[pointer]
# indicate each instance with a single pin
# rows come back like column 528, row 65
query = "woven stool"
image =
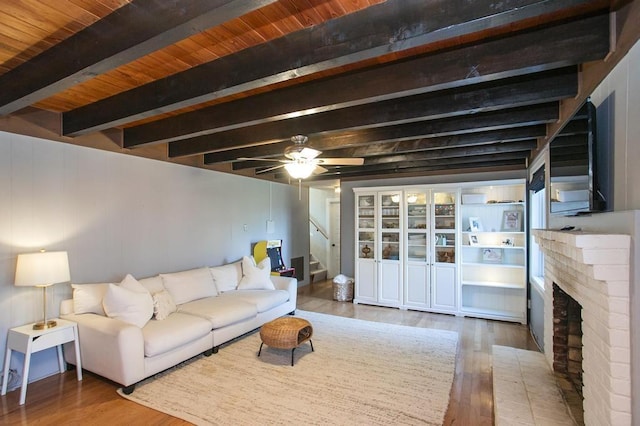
column 286, row 333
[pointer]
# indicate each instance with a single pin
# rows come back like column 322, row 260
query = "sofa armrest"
column 109, row 347
column 289, row 284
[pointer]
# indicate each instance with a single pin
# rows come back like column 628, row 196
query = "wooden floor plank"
column 60, row 399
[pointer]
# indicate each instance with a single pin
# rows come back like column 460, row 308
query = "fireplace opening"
column 567, row 349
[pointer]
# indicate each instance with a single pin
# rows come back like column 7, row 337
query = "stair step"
column 318, row 275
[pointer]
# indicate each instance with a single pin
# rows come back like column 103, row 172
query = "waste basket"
column 342, row 288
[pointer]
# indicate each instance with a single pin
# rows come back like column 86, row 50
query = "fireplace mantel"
column 594, row 269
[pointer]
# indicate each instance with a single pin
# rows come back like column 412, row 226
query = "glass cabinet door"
column 390, row 225
column 444, row 213
column 366, row 225
column 417, row 226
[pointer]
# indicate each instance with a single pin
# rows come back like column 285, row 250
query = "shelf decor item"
column 366, row 250
column 473, row 240
column 475, row 225
column 511, row 220
column 491, row 255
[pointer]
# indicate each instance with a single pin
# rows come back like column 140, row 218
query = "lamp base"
column 44, row 325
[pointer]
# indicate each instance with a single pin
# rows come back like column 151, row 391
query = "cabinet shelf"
column 493, row 265
column 515, row 203
column 493, row 284
column 481, row 246
column 498, row 313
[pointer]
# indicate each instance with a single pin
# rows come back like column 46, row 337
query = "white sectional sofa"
column 135, row 329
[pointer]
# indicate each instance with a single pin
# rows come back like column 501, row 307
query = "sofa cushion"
column 262, row 299
column 152, row 284
column 220, row 312
column 130, row 283
column 163, row 305
column 132, row 307
column 175, row 331
column 189, row 285
column 256, row 277
column 87, row 298
column 227, row 277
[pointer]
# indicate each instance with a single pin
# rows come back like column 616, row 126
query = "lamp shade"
column 300, row 170
column 42, row 269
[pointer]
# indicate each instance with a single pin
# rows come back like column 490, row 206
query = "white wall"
column 117, row 214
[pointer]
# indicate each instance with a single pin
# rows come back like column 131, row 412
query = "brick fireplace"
column 593, row 270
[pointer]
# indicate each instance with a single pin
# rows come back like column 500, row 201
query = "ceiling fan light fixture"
column 300, row 170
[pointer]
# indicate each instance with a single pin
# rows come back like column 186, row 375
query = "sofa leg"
column 128, row 390
column 208, row 352
column 215, row 349
column 292, row 312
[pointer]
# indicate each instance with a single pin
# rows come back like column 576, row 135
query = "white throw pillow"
column 87, row 298
column 132, row 284
column 152, row 284
column 129, row 306
column 256, row 277
column 189, row 285
column 163, row 305
column 227, row 277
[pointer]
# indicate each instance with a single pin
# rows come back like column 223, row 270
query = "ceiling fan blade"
column 261, row 159
column 309, row 153
column 319, row 170
column 269, row 169
column 341, row 161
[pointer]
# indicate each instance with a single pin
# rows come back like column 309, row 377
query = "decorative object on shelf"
column 366, row 250
column 473, row 240
column 511, row 220
column 475, row 225
column 507, row 242
column 42, row 269
column 490, row 255
column 445, row 256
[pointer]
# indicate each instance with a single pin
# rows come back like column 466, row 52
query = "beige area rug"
column 361, row 373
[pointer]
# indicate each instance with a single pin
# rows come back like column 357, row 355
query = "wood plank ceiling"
column 414, row 86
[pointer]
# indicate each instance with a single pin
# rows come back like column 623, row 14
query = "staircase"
column 317, row 271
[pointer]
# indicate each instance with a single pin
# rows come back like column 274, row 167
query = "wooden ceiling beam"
column 409, row 157
column 130, row 32
column 379, row 32
column 547, row 48
column 494, row 160
column 442, row 142
column 448, row 128
column 509, row 93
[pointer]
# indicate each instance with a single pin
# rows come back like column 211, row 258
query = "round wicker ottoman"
column 286, row 333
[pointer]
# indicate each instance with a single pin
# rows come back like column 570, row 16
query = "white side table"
column 27, row 340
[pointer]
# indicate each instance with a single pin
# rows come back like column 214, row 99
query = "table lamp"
column 42, row 269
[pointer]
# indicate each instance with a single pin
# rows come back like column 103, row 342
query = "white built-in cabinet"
column 379, row 224
column 416, row 249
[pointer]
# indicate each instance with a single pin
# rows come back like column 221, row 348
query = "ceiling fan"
column 301, row 160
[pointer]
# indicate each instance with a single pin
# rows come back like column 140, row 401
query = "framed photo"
column 473, row 240
column 511, row 220
column 475, row 225
column 491, row 255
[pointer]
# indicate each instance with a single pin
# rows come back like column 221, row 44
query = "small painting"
column 473, row 240
column 492, row 255
column 512, row 220
column 475, row 225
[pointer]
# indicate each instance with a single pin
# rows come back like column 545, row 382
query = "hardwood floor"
column 60, row 399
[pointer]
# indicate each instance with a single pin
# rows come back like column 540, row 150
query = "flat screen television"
column 580, row 168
